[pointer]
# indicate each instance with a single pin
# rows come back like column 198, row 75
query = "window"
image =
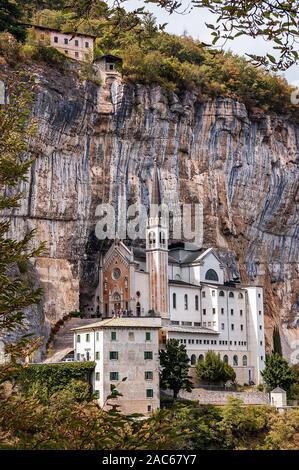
column 231, row 311
column 203, row 293
column 225, row 359
column 211, row 275
column 193, row 360
column 116, row 273
column 66, row 52
column 204, row 323
column 261, row 343
column 221, row 293
column 131, row 336
column 97, row 376
column 111, row 67
column 259, row 295
column 113, row 355
column 114, row 376
column 241, row 313
column 78, row 338
column 231, row 294
column 260, row 312
column 78, row 356
column 149, row 408
column 261, row 327
column 214, row 311
column 76, row 42
column 148, row 375
column 197, row 323
column 187, row 323
column 222, row 311
column 56, row 39
column 235, row 360
column 174, row 300
column 152, row 238
column 148, row 336
column 76, row 54
column 201, row 357
column 87, row 338
column 148, row 355
column 196, row 302
column 66, row 41
column 87, row 44
column 97, row 393
column 186, row 301
column 222, row 326
column 213, row 293
column 240, row 296
column 241, row 326
column 232, row 327
column 97, row 356
column 149, row 393
column 204, row 311
column 113, row 335
column 97, row 336
column 244, row 360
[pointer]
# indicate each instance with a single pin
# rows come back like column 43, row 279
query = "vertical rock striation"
column 242, row 166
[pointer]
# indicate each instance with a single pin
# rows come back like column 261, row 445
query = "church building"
column 187, row 289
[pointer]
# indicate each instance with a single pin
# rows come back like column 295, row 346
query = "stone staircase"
column 63, row 341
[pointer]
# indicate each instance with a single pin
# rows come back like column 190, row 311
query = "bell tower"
column 157, row 251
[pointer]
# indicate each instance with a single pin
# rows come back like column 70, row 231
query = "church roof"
column 156, row 193
column 183, row 283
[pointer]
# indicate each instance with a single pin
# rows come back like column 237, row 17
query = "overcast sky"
column 194, row 24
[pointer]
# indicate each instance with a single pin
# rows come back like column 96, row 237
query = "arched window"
column 211, row 275
column 138, row 309
column 174, row 300
column 152, row 238
column 201, row 357
column 244, row 361
column 225, row 359
column 193, row 360
column 240, row 296
column 178, row 277
column 221, row 293
column 162, row 238
column 235, row 360
column 186, row 301
column 231, row 294
column 196, row 303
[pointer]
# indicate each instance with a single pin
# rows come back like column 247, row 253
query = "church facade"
column 187, row 289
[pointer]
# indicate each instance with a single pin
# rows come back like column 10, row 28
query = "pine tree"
column 15, row 293
column 174, row 363
column 277, row 341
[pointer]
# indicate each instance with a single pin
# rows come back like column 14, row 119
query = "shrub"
column 212, row 369
column 9, row 48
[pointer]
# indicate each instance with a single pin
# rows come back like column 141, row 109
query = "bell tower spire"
column 157, row 250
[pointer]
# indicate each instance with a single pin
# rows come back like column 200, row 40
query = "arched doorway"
column 138, row 309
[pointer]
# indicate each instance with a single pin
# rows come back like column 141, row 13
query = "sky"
column 194, row 24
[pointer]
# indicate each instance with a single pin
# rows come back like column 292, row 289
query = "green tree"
column 213, row 370
column 16, row 293
column 273, row 20
column 11, row 14
column 174, row 363
column 277, row 341
column 278, row 373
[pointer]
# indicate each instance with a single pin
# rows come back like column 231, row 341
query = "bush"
column 9, row 48
column 53, row 377
column 213, row 370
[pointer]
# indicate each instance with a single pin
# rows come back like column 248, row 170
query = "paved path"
column 63, row 342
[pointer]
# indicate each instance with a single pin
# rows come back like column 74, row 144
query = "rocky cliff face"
column 243, row 168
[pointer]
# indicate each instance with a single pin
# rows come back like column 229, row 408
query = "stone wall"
column 220, row 397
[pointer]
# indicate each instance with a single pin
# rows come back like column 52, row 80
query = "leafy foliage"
column 16, row 293
column 11, row 14
column 174, row 363
column 278, row 373
column 26, row 422
column 213, row 370
column 275, row 21
column 54, row 377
